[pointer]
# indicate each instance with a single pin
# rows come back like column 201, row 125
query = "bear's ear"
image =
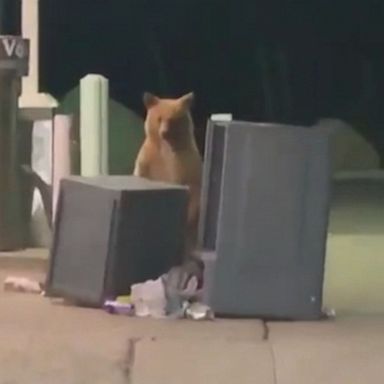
column 149, row 99
column 188, row 100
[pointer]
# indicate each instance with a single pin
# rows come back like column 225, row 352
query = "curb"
column 34, row 258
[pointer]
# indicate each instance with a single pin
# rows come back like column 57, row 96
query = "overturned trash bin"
column 112, row 232
column 263, row 225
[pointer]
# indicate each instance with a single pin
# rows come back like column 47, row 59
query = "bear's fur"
column 170, row 154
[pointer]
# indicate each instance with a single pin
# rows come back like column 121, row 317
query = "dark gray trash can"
column 112, row 232
column 263, row 225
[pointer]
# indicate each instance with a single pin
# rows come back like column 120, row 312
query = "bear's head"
column 169, row 119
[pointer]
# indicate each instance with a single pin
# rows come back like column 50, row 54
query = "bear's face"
column 168, row 119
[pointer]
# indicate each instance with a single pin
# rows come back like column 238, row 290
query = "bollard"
column 94, row 125
column 61, row 155
column 14, row 53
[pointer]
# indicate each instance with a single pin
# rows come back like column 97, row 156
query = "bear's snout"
column 164, row 132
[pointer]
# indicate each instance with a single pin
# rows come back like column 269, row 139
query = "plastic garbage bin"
column 263, row 225
column 114, row 231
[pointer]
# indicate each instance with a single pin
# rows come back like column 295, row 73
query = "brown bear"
column 170, row 154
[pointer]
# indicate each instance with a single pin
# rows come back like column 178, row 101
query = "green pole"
column 13, row 64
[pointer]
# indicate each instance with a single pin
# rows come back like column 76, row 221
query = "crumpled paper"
column 183, row 284
column 198, row 311
column 22, row 284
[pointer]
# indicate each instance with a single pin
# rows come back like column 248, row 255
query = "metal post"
column 14, row 51
column 94, row 90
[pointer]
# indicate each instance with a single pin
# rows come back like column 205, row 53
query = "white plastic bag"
column 149, row 298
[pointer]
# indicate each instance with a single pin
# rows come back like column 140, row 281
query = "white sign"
column 221, row 117
column 14, row 47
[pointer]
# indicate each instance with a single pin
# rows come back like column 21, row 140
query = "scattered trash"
column 182, row 284
column 22, row 284
column 175, row 294
column 199, row 311
column 124, row 299
column 116, row 307
column 174, row 299
column 329, row 313
column 149, row 299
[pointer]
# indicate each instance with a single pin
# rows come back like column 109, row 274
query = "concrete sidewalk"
column 48, row 342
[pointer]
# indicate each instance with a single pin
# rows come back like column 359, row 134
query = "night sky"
column 286, row 61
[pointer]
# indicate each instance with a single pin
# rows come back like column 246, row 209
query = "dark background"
column 286, row 61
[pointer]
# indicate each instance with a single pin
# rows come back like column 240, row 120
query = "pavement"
column 45, row 341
